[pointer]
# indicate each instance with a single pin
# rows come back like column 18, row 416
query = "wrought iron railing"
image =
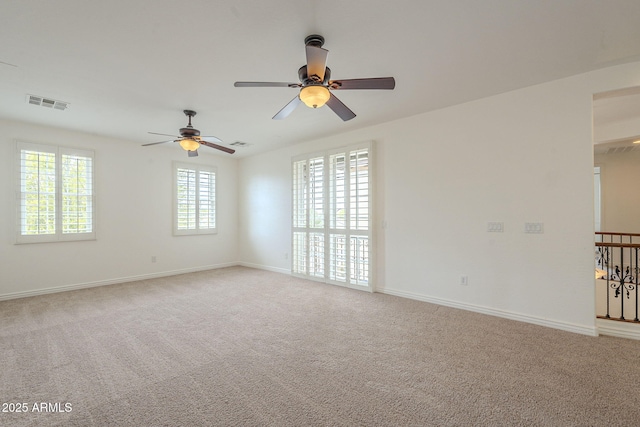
column 617, row 267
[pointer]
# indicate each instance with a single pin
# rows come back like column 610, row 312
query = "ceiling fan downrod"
column 189, row 131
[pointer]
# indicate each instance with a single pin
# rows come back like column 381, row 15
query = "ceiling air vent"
column 620, row 150
column 240, row 144
column 47, row 102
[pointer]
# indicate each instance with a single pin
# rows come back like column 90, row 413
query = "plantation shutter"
column 299, row 217
column 77, row 194
column 207, row 200
column 56, row 200
column 331, row 217
column 186, row 199
column 37, row 191
column 195, row 199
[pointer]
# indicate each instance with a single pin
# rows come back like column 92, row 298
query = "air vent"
column 240, row 144
column 620, row 150
column 47, row 102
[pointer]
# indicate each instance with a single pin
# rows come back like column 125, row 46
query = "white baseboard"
column 605, row 327
column 113, row 281
column 618, row 329
column 569, row 327
column 265, row 267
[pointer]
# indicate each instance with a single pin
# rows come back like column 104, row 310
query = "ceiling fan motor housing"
column 305, row 80
column 189, row 132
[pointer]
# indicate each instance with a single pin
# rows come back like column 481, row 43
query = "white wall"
column 523, row 156
column 620, row 175
column 265, row 216
column 617, row 130
column 134, row 214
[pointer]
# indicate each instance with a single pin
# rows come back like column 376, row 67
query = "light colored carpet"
column 245, row 347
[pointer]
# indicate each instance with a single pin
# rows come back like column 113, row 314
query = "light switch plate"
column 534, row 227
column 495, row 227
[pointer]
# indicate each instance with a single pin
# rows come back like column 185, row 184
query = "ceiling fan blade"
column 316, row 61
column 265, row 84
column 164, row 134
column 373, row 83
column 155, row 143
column 339, row 108
column 210, row 139
column 288, row 109
column 218, row 147
column 193, row 153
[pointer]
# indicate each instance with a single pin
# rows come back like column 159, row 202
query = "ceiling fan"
column 190, row 139
column 315, row 83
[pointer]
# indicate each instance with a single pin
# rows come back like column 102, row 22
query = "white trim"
column 598, row 198
column 58, row 235
column 77, row 286
column 329, row 229
column 565, row 326
column 266, row 268
column 198, row 169
column 307, row 156
column 618, row 329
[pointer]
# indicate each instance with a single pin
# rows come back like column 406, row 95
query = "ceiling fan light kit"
column 315, row 84
column 314, row 96
column 189, row 144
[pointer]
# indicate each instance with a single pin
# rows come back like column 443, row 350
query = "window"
column 331, row 217
column 56, row 194
column 194, row 199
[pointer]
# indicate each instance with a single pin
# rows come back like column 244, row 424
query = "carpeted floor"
column 246, row 347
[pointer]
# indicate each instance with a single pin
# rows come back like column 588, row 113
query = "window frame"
column 198, row 229
column 303, row 232
column 58, row 235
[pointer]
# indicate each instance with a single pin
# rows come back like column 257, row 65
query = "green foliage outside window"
column 52, row 197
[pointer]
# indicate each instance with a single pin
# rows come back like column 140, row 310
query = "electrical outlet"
column 286, row 255
column 464, row 280
column 153, row 258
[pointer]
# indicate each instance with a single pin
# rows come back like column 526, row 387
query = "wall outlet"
column 286, row 255
column 153, row 258
column 464, row 280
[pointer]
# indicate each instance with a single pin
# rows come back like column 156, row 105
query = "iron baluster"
column 636, row 283
column 623, row 282
column 608, row 279
column 620, row 270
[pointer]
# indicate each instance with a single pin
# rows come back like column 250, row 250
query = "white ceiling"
column 131, row 66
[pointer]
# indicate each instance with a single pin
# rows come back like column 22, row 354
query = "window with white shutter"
column 331, row 216
column 194, row 199
column 55, row 195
